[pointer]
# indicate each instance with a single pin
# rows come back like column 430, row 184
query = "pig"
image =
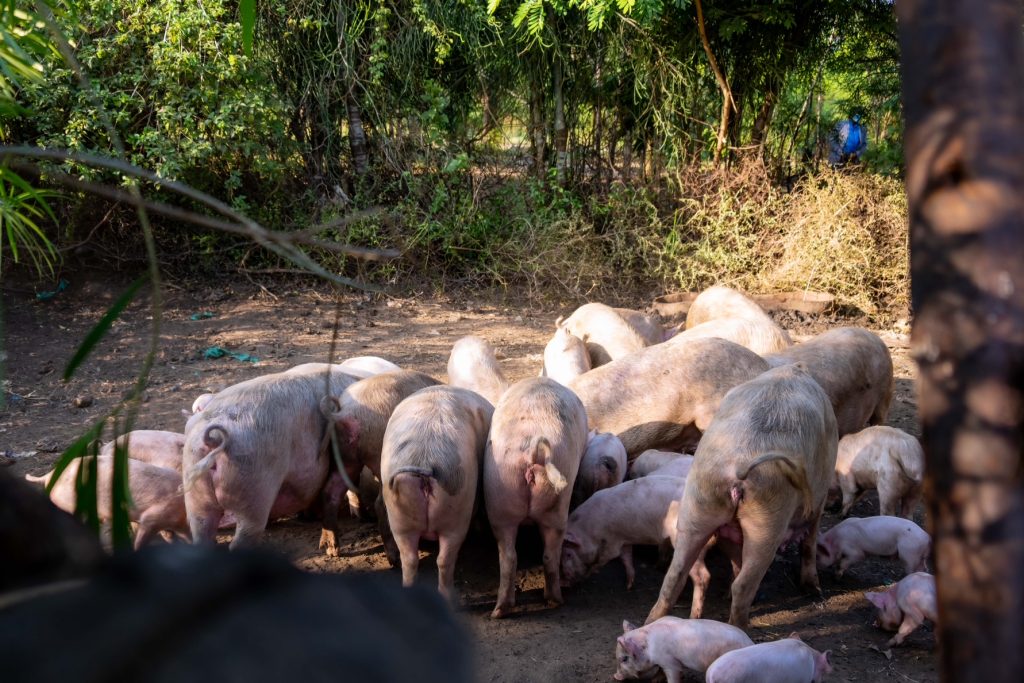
column 538, row 435
column 157, row 502
column 648, row 326
column 650, row 460
column 607, row 525
column 759, row 477
column 603, row 466
column 199, row 403
column 156, row 447
column 256, row 452
column 565, row 357
column 905, row 606
column 854, row 368
column 790, row 660
column 673, row 645
column 359, row 417
column 664, row 396
column 760, row 336
column 883, row 458
column 367, row 366
column 430, row 469
column 853, row 539
column 472, row 366
column 607, row 335
column 680, row 467
column 724, row 302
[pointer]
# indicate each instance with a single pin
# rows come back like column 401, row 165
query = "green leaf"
column 247, row 12
column 100, row 330
column 120, row 497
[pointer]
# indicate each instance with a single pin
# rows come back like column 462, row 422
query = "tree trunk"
column 764, row 115
column 727, row 103
column 963, row 95
column 538, row 134
column 356, row 135
column 561, row 133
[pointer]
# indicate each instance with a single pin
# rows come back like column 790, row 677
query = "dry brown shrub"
column 845, row 234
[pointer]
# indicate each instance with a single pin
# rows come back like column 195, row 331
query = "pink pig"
column 790, row 660
column 906, row 606
column 854, row 538
column 674, row 644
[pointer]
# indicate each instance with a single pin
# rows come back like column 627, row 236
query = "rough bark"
column 963, row 94
column 727, row 102
column 357, row 135
column 764, row 115
column 538, row 135
column 561, row 133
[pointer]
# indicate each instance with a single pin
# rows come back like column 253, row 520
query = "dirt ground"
column 287, row 324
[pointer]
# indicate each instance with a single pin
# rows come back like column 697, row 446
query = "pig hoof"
column 329, row 543
column 499, row 613
column 551, row 603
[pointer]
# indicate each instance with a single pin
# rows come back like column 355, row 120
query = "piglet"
column 157, row 500
column 603, row 466
column 639, row 512
column 156, row 447
column 674, row 644
column 565, row 357
column 855, row 538
column 905, row 606
column 430, row 466
column 650, row 460
column 536, row 443
column 882, row 458
column 790, row 660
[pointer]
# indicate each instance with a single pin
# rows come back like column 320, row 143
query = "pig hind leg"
column 808, row 558
column 409, row 550
column 760, row 541
column 251, row 519
column 386, row 538
column 333, row 492
column 888, row 497
column 553, row 538
column 701, row 578
column 693, row 532
column 448, row 551
column 912, row 618
column 507, row 559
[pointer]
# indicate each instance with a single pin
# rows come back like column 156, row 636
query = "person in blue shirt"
column 847, row 143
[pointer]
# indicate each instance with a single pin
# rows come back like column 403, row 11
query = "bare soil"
column 294, row 324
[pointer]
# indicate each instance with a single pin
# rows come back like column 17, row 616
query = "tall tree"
column 963, row 90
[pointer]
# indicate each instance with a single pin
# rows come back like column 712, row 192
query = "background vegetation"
column 572, row 148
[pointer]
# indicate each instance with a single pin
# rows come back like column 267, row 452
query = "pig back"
column 442, row 430
column 854, row 368
column 782, row 411
column 664, row 396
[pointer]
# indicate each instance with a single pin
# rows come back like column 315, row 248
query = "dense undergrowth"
column 838, row 232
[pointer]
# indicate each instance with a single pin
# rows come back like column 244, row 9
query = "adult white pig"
column 664, row 396
column 648, row 326
column 359, row 417
column 882, row 458
column 538, row 434
column 725, row 302
column 854, row 368
column 565, row 357
column 607, row 335
column 256, row 452
column 760, row 336
column 650, row 460
column 759, row 477
column 430, row 469
column 472, row 365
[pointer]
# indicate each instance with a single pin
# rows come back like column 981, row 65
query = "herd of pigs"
column 593, row 452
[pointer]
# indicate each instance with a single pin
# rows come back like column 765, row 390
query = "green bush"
column 185, row 99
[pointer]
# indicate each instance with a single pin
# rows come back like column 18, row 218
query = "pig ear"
column 795, row 636
column 630, row 645
column 591, row 435
column 627, row 626
column 825, row 664
column 825, row 550
column 876, row 599
column 560, row 322
column 186, row 413
column 571, row 539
